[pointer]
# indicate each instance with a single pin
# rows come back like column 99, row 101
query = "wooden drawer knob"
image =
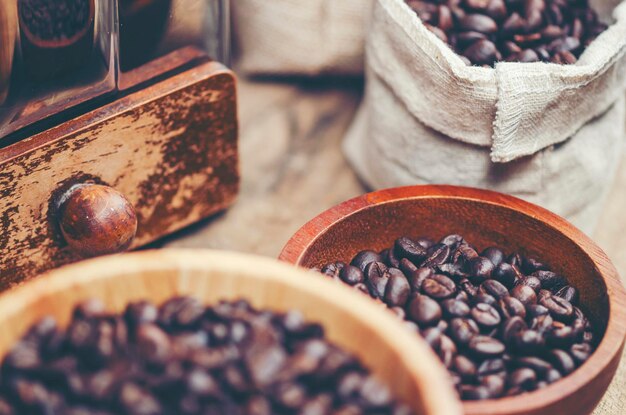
column 96, row 220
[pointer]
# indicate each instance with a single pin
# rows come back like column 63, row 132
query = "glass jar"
column 57, row 56
column 54, row 55
column 158, row 36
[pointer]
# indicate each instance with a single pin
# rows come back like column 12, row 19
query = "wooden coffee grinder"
column 114, row 133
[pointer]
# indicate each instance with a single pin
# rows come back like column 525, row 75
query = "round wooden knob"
column 96, row 220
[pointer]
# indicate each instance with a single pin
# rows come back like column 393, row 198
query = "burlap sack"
column 552, row 134
column 300, row 37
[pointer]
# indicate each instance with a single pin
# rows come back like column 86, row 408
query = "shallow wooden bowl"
column 351, row 321
column 486, row 218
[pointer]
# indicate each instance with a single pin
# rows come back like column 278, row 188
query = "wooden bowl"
column 8, row 18
column 486, row 218
column 351, row 321
column 45, row 59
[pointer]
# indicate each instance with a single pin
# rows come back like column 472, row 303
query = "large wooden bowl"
column 352, row 322
column 486, row 218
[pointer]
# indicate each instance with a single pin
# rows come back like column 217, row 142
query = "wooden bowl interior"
column 481, row 223
column 350, row 321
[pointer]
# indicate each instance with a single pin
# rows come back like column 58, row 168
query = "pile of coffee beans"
column 54, row 19
column 501, row 325
column 484, row 32
column 184, row 359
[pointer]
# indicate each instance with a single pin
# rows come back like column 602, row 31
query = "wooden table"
column 293, row 168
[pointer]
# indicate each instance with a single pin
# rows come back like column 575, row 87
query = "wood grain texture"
column 485, row 218
column 170, row 149
column 349, row 319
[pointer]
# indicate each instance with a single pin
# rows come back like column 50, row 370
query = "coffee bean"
column 494, row 288
column 581, row 352
column 524, row 378
column 493, row 254
column 475, row 393
column 439, row 287
column 465, row 367
column 417, row 278
column 455, row 308
column 485, row 347
column 486, row 316
column 333, row 269
column 397, row 290
column 462, row 330
column 525, row 294
column 363, row 258
column 436, row 255
column 480, row 269
column 562, row 361
column 505, row 274
column 478, row 23
column 549, row 280
column 424, row 311
column 560, row 309
column 511, row 307
column 493, row 326
column 569, row 293
column 482, row 52
column 406, row 248
column 532, row 282
column 351, row 275
column 376, row 277
column 538, row 365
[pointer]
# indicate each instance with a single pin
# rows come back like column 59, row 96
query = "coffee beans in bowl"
column 186, row 358
column 484, row 32
column 503, row 324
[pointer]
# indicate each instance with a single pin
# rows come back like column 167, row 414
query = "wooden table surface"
column 293, row 168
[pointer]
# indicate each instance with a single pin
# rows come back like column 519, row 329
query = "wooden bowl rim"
column 609, row 348
column 57, row 44
column 438, row 397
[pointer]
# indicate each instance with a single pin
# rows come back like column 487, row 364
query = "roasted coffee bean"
column 486, row 316
column 436, row 255
column 569, row 293
column 480, row 269
column 483, row 30
column 512, row 327
column 495, row 385
column 528, row 342
column 581, row 352
column 525, row 294
column 538, row 365
column 465, row 367
column 462, row 330
column 511, row 307
column 560, row 309
column 363, row 258
column 536, row 310
column 407, row 267
column 398, row 289
column 439, row 287
column 424, row 311
column 455, row 308
column 351, row 275
column 377, row 277
column 493, row 326
column 417, row 278
column 333, row 269
column 485, row 347
column 549, row 280
column 493, row 254
column 494, row 288
column 505, row 274
column 562, row 361
column 524, row 378
column 406, row 248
